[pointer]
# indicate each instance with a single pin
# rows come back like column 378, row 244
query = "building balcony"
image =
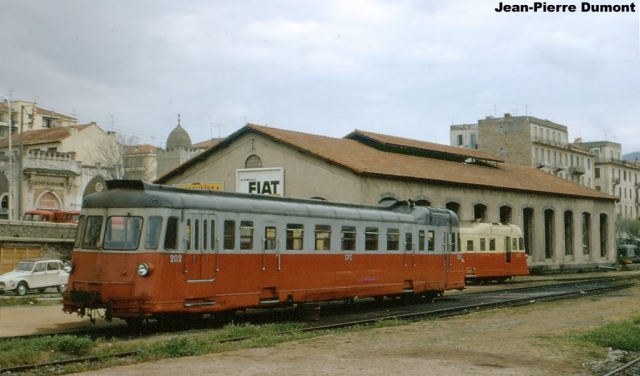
column 576, row 170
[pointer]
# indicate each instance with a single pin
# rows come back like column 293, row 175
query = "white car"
column 35, row 274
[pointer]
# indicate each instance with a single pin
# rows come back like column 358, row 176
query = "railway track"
column 348, row 315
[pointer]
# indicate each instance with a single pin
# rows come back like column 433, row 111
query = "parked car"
column 35, row 274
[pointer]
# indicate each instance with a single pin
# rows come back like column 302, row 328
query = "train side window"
column 92, row 232
column 470, row 247
column 269, row 238
column 78, row 240
column 432, row 241
column 408, row 241
column 188, row 234
column 246, row 235
column 371, row 239
column 152, row 237
column 483, row 244
column 171, row 235
column 295, row 236
column 521, row 241
column 454, row 248
column 229, row 234
column 205, row 229
column 393, row 239
column 348, row 238
column 213, row 235
column 515, row 244
column 323, row 238
column 492, row 244
column 196, row 234
column 421, row 239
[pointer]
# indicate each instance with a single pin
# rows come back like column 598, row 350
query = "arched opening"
column 253, row 162
column 604, row 234
column 48, row 201
column 549, row 233
column 423, row 203
column 4, row 206
column 528, row 230
column 454, row 207
column 505, row 214
column 568, row 233
column 586, row 233
column 479, row 212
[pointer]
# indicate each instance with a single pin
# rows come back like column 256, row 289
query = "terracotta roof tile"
column 42, row 136
column 365, row 160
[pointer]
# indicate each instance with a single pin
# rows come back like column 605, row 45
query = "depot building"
column 567, row 227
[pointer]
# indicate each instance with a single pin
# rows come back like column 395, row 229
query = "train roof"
column 137, row 194
column 469, row 227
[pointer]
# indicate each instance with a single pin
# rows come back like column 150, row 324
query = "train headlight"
column 68, row 266
column 144, row 269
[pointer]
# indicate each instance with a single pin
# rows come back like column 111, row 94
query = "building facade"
column 529, row 141
column 616, row 176
column 567, row 226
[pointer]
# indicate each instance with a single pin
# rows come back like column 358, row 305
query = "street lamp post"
column 10, row 206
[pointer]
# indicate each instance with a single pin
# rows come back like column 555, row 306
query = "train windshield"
column 122, row 233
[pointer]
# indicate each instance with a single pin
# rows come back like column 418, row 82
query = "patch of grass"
column 12, row 301
column 623, row 335
column 43, row 349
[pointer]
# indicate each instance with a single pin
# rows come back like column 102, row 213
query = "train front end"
column 117, row 259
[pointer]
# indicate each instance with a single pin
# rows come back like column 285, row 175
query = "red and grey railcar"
column 492, row 251
column 151, row 251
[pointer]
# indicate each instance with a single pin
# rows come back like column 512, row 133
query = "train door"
column 446, row 255
column 409, row 249
column 507, row 249
column 270, row 262
column 209, row 259
column 193, row 247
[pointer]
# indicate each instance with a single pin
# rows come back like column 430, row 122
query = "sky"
column 404, row 68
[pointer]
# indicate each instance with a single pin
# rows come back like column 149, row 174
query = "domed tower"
column 178, row 138
column 178, row 150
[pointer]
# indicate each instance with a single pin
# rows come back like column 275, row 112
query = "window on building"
column 460, row 142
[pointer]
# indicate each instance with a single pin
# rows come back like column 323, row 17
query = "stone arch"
column 253, row 161
column 49, row 200
column 454, row 206
column 422, row 200
column 480, row 211
column 505, row 212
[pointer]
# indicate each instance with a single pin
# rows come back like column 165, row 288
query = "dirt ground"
column 517, row 341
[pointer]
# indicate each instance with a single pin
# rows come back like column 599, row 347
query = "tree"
column 628, row 228
column 121, row 157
